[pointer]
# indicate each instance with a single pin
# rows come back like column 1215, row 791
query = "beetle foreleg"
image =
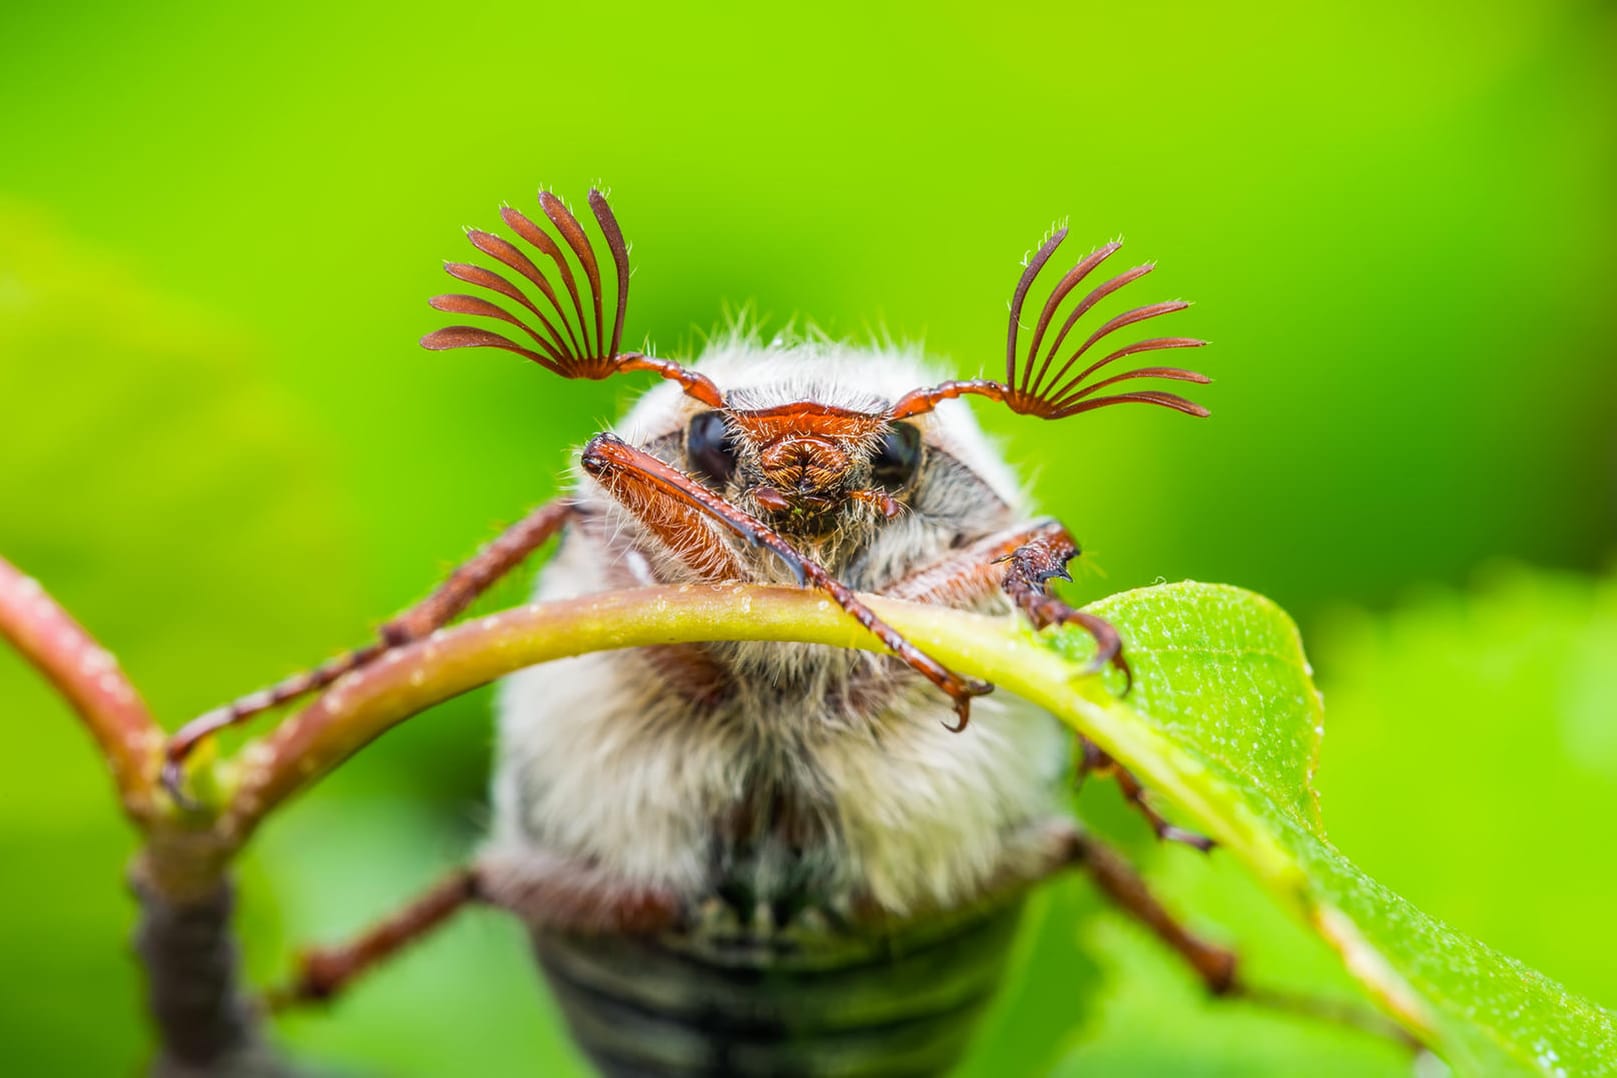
column 1030, row 567
column 661, row 488
column 1020, row 562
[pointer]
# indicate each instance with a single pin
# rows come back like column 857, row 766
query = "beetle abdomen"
column 901, row 1004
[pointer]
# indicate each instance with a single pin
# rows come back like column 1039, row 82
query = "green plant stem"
column 188, row 853
column 366, row 704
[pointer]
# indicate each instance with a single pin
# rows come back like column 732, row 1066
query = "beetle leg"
column 455, row 594
column 539, row 889
column 638, row 479
column 973, row 574
column 1020, row 562
column 1093, row 760
column 1218, row 968
column 1214, row 965
column 1030, row 568
column 324, row 972
column 681, row 527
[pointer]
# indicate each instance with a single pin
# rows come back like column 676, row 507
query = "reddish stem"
column 87, row 675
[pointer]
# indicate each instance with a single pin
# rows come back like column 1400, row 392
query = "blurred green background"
column 222, row 449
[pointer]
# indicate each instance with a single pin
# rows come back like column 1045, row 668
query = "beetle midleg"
column 617, row 465
column 537, row 888
column 1021, row 561
column 1033, row 554
column 455, row 594
column 1093, row 760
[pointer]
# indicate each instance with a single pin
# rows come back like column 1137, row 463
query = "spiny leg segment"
column 322, row 973
column 1021, row 561
column 1218, row 968
column 454, row 595
column 1093, row 760
column 621, row 467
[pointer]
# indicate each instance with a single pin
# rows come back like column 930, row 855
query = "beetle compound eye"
column 709, row 447
column 900, row 454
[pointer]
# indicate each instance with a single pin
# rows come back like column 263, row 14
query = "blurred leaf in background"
column 177, row 503
column 224, row 452
column 1470, row 762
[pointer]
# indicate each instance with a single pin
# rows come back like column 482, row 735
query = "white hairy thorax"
column 608, row 763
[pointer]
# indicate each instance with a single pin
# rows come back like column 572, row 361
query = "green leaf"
column 1224, row 720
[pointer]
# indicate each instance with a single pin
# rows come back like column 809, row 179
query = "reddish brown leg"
column 1030, row 567
column 1123, row 886
column 455, row 594
column 1094, row 761
column 1217, row 967
column 324, row 972
column 657, row 490
column 1021, row 561
column 540, row 890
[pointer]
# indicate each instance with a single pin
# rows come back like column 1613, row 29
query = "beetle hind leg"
column 1218, row 968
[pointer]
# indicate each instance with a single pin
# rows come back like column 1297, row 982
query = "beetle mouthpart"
column 804, row 465
column 890, row 507
column 771, row 499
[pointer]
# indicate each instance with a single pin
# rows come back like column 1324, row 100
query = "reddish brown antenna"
column 566, row 338
column 1029, row 386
